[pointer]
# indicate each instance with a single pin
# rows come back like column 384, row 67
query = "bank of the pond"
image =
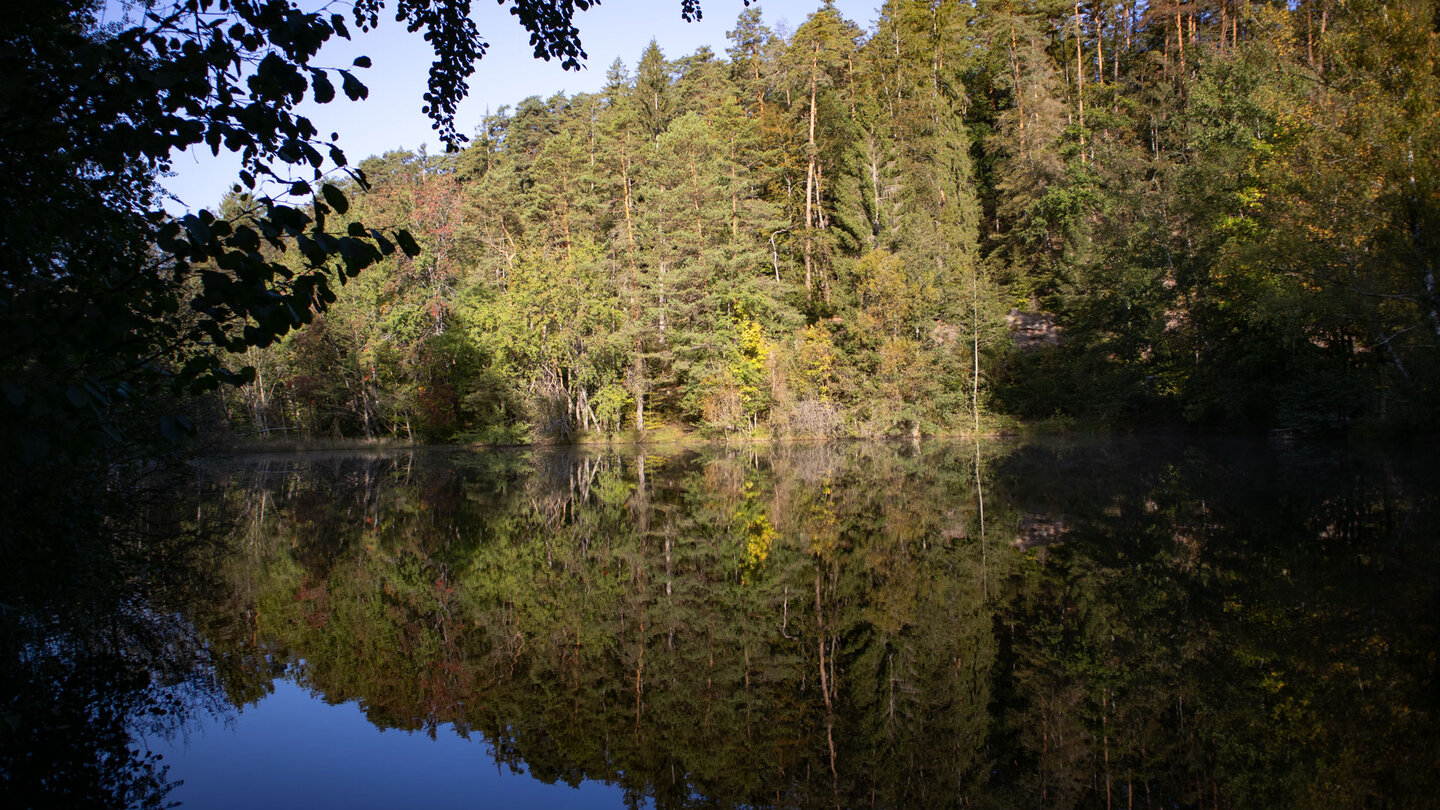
column 672, row 435
column 668, row 434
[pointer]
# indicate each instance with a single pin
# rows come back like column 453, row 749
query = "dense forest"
column 1219, row 213
column 970, row 215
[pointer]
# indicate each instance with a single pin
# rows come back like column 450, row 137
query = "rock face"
column 1033, row 330
column 944, row 334
column 1038, row 531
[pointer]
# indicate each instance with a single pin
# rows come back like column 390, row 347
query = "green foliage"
column 1229, row 228
column 1226, row 229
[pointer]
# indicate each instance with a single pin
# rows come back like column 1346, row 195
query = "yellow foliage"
column 759, row 536
column 814, row 367
column 888, row 293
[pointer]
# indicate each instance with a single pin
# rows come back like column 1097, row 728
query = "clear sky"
column 391, row 119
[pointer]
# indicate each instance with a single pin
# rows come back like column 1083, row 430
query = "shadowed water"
column 1129, row 623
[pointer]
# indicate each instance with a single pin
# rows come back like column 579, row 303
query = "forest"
column 963, row 218
column 960, row 218
column 968, row 216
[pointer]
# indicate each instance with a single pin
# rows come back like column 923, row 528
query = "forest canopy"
column 1216, row 212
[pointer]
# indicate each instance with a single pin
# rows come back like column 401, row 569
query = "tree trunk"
column 1080, row 79
column 629, row 209
column 1099, row 18
column 1180, row 39
column 810, row 200
column 639, row 388
column 1019, row 92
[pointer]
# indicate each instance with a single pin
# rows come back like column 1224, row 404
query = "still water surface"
column 1127, row 623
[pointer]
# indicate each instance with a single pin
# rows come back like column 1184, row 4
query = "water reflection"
column 1109, row 624
column 98, row 650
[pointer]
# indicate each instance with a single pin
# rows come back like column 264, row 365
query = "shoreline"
column 671, row 437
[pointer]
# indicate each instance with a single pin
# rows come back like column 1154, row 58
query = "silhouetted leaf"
column 324, row 89
column 336, row 198
column 353, row 87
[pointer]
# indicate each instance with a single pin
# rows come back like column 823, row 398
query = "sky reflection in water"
column 294, row 750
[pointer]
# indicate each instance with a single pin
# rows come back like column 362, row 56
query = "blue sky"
column 391, row 119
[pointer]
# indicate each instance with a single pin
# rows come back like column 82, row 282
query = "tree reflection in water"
column 98, row 651
column 1135, row 623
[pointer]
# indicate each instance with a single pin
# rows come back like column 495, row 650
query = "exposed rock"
column 943, row 334
column 1033, row 330
column 1037, row 531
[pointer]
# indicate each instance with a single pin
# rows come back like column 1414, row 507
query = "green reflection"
column 1129, row 624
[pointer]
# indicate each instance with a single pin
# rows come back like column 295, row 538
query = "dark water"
column 1134, row 623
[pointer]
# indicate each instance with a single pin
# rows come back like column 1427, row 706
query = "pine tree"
column 821, row 59
column 747, row 52
column 654, row 95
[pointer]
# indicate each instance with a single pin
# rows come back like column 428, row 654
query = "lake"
column 1133, row 622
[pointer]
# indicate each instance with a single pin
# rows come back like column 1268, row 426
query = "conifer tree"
column 821, row 63
column 654, row 95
